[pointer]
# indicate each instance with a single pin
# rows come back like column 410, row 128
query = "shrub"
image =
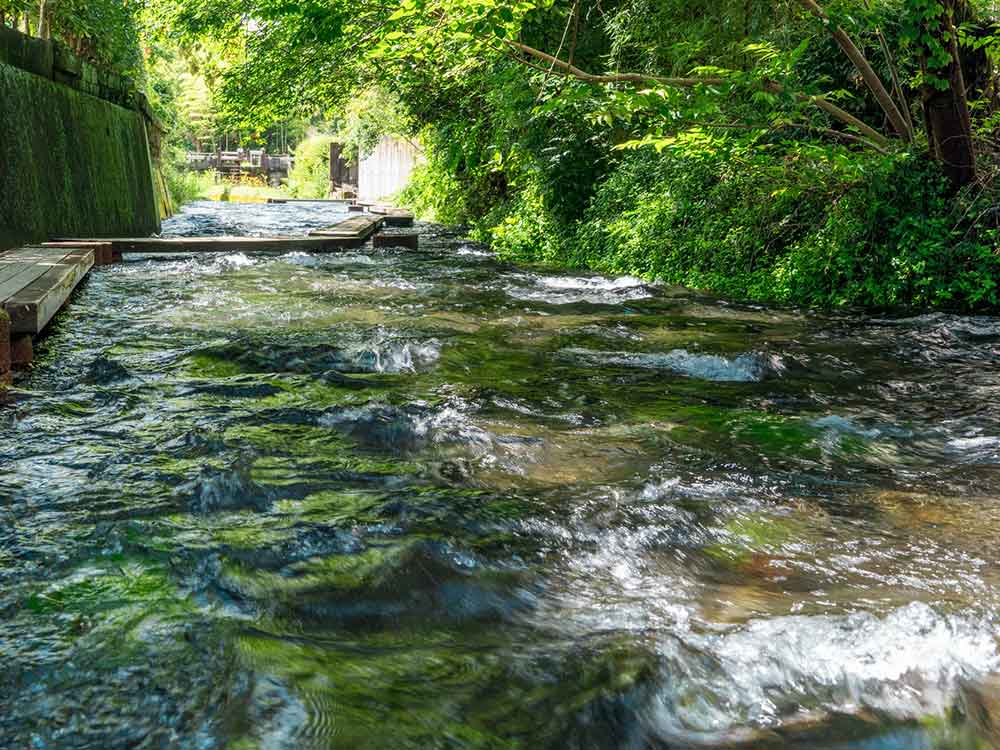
column 827, row 227
column 185, row 186
column 310, row 174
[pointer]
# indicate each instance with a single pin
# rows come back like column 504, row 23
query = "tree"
column 333, row 44
column 945, row 107
column 105, row 32
column 943, row 91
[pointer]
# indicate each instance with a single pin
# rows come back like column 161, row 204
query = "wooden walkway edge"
column 227, row 244
column 36, row 281
column 310, row 200
column 394, row 217
column 352, row 232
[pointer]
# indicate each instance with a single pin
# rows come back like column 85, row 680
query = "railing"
column 240, row 162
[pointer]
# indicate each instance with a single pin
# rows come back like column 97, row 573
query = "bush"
column 310, row 175
column 827, row 227
column 434, row 194
column 185, row 186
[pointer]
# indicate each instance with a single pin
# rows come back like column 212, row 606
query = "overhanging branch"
column 568, row 69
column 868, row 74
column 571, row 70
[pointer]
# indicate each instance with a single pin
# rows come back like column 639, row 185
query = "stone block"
column 409, row 241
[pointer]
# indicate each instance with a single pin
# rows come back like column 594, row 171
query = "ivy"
column 926, row 25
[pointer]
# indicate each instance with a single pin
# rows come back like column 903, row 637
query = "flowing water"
column 389, row 499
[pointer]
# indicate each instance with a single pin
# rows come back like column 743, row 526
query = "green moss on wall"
column 25, row 52
column 70, row 164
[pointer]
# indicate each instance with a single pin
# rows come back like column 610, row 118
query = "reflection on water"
column 426, row 500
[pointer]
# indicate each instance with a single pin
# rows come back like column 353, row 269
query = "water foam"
column 397, row 356
column 471, row 251
column 745, row 368
column 564, row 290
column 312, row 260
column 978, row 449
column 231, row 261
column 905, row 665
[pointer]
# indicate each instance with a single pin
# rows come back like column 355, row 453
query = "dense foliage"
column 105, row 32
column 827, row 153
column 310, row 177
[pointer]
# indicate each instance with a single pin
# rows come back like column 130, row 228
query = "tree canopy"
column 528, row 110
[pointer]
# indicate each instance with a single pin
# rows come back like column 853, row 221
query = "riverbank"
column 828, row 230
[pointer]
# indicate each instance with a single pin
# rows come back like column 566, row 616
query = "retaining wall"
column 75, row 155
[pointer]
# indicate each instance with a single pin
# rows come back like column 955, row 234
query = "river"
column 389, row 499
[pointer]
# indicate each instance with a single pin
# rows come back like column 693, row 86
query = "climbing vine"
column 928, row 27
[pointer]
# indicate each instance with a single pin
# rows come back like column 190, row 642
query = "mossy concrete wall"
column 72, row 163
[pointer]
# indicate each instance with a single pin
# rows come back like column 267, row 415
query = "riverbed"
column 391, row 499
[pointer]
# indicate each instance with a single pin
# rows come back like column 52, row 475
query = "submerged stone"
column 225, row 490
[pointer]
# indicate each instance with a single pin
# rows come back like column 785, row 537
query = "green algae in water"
column 441, row 693
column 109, row 585
column 237, row 544
column 211, row 366
column 746, row 535
column 346, row 507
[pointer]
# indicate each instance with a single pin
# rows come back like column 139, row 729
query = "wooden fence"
column 241, row 164
column 387, row 169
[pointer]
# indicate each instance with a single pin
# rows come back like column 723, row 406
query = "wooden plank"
column 5, row 374
column 355, row 230
column 221, row 244
column 20, row 267
column 399, row 219
column 409, row 240
column 353, row 225
column 310, row 200
column 103, row 252
column 394, row 217
column 11, row 261
column 34, row 306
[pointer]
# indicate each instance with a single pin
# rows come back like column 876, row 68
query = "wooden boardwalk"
column 36, row 281
column 352, row 232
column 320, row 243
column 394, row 217
column 311, row 200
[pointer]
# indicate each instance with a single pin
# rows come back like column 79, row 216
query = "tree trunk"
column 43, row 20
column 864, row 68
column 946, row 110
